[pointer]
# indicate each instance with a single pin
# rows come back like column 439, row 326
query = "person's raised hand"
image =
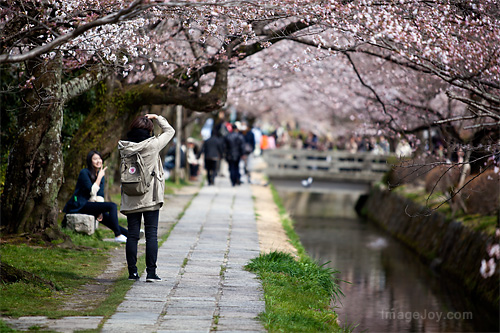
column 102, row 172
column 151, row 116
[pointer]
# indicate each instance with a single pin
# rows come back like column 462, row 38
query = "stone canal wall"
column 452, row 249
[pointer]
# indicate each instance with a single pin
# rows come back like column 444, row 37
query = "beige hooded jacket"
column 150, row 152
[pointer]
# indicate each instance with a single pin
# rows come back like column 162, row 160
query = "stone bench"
column 82, row 223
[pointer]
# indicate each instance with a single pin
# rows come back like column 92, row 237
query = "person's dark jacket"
column 235, row 146
column 249, row 142
column 82, row 192
column 212, row 148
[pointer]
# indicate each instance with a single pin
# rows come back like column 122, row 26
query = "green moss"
column 437, row 202
column 486, row 224
column 120, row 100
column 123, row 101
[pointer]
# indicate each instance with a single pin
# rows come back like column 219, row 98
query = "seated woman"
column 88, row 197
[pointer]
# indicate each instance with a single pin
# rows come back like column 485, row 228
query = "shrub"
column 482, row 193
column 442, row 179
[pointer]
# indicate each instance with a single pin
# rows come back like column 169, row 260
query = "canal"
column 390, row 289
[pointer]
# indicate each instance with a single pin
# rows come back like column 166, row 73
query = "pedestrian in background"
column 248, row 150
column 169, row 163
column 141, row 139
column 192, row 158
column 213, row 151
column 234, row 144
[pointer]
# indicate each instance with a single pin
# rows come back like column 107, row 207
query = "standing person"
column 192, row 158
column 169, row 162
column 249, row 149
column 234, row 144
column 311, row 141
column 213, row 150
column 352, row 145
column 141, row 139
column 223, row 128
column 403, row 149
column 257, row 134
column 88, row 197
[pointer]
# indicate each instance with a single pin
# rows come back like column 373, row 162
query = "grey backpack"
column 134, row 176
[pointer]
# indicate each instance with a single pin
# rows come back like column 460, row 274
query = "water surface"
column 391, row 290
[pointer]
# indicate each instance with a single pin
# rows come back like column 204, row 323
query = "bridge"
column 339, row 179
column 332, row 165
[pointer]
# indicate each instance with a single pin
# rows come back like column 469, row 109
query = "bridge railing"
column 333, row 164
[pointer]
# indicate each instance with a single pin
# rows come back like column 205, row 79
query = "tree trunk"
column 100, row 131
column 34, row 172
column 11, row 274
column 178, row 146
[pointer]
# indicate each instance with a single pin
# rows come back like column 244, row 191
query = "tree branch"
column 84, row 82
column 132, row 10
column 164, row 92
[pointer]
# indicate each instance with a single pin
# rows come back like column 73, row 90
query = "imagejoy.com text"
column 430, row 315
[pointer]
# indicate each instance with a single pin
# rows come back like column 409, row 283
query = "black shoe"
column 134, row 277
column 153, row 278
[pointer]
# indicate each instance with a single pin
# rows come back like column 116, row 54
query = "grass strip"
column 299, row 293
column 68, row 269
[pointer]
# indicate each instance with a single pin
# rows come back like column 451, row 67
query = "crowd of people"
column 308, row 140
column 236, row 143
column 378, row 145
column 230, row 145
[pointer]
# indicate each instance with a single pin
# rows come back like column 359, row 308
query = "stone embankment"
column 452, row 249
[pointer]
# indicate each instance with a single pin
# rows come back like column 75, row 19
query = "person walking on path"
column 213, row 151
column 141, row 139
column 234, row 143
column 249, row 149
column 88, row 197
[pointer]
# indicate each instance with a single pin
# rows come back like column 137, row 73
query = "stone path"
column 202, row 261
column 204, row 287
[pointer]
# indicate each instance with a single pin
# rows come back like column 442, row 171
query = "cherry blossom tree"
column 154, row 52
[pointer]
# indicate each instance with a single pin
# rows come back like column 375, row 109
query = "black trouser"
column 151, row 233
column 234, row 171
column 211, row 167
column 193, row 170
column 109, row 213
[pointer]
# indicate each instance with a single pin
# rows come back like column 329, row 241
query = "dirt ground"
column 272, row 236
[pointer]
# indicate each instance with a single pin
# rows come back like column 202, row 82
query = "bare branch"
column 449, row 120
column 379, row 100
column 482, row 125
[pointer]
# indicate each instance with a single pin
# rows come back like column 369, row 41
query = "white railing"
column 332, row 165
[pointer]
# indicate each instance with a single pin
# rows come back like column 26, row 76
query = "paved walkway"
column 204, row 286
